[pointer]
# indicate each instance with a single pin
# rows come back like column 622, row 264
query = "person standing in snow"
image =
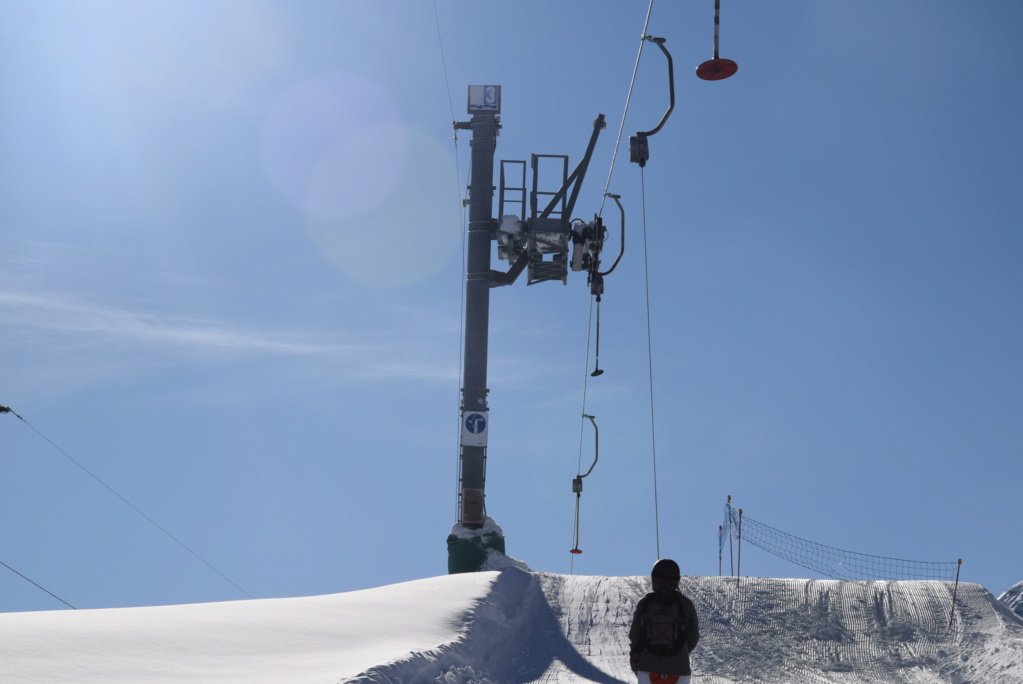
column 664, row 630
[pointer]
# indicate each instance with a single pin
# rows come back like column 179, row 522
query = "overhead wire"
column 38, row 585
column 444, row 64
column 606, row 194
column 129, row 503
column 628, row 99
column 646, row 274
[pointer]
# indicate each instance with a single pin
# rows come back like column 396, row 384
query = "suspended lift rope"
column 5, row 409
column 650, row 365
column 596, row 279
column 38, row 585
column 577, row 483
column 628, row 98
column 610, row 173
column 444, row 64
column 712, row 70
column 715, row 69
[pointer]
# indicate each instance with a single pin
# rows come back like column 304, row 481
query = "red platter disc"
column 716, row 69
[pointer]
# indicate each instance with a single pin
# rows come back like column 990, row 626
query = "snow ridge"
column 513, row 626
column 513, row 637
column 548, row 629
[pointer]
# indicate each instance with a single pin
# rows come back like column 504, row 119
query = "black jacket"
column 677, row 664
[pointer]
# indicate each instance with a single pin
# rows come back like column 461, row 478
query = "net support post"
column 738, row 560
column 955, row 592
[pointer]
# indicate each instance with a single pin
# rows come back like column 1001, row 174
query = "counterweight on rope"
column 639, row 149
column 717, row 69
column 577, row 482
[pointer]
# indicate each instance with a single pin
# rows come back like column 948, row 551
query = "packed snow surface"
column 514, row 626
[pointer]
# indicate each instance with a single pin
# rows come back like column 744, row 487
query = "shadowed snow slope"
column 515, row 627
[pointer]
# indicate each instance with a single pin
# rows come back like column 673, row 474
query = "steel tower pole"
column 477, row 317
column 471, row 539
column 475, row 536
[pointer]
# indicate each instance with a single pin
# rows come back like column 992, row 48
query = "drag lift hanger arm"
column 577, row 482
column 659, row 42
column 621, row 251
column 588, row 243
column 596, row 448
column 638, row 148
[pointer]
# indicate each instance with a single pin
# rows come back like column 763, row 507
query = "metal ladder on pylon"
column 550, row 231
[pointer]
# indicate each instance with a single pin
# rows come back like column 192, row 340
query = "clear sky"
column 230, row 283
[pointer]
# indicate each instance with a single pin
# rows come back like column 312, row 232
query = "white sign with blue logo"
column 485, row 98
column 474, row 428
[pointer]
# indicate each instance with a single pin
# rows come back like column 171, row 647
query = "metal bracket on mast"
column 547, row 232
column 576, row 178
column 501, row 278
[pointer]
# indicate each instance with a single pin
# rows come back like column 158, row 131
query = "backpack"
column 665, row 624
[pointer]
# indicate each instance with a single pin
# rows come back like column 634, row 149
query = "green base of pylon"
column 468, row 554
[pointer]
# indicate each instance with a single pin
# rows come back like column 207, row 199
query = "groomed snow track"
column 551, row 629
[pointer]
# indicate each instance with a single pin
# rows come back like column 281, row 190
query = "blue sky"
column 230, row 282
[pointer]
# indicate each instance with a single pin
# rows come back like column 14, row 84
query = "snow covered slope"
column 790, row 630
column 1013, row 597
column 517, row 627
column 277, row 641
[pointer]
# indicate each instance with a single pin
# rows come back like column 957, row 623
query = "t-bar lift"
column 536, row 240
